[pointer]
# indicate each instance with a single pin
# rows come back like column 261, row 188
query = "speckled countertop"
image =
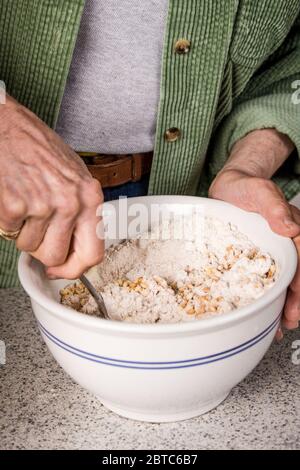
column 42, row 408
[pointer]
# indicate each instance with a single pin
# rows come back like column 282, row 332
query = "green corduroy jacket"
column 241, row 74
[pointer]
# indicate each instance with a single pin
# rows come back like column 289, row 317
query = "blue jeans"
column 139, row 188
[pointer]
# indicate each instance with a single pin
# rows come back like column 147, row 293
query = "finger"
column 292, row 306
column 55, row 246
column 279, row 334
column 71, row 269
column 32, row 201
column 289, row 325
column 87, row 251
column 295, row 284
column 38, row 217
column 32, row 234
column 56, row 243
column 87, row 247
column 292, row 309
column 272, row 205
column 295, row 213
column 13, row 207
column 76, row 264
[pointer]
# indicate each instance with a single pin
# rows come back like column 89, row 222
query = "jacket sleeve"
column 270, row 100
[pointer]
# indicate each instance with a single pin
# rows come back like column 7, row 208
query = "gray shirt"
column 112, row 92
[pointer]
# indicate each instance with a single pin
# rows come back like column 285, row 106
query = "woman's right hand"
column 47, row 191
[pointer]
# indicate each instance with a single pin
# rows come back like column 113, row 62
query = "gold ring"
column 10, row 235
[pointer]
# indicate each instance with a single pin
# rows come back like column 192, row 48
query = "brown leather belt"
column 113, row 170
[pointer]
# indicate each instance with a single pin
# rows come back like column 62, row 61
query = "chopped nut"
column 190, row 309
column 204, row 298
column 211, row 308
column 212, row 273
column 271, row 271
column 200, row 309
column 252, row 253
column 160, row 281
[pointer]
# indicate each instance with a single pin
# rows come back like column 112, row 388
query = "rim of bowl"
column 26, row 263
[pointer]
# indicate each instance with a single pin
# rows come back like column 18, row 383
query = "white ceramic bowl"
column 171, row 372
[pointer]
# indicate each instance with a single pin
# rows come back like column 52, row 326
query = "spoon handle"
column 97, row 295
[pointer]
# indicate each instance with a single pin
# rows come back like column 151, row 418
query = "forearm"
column 260, row 153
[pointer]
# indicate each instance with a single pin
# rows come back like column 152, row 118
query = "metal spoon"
column 97, row 296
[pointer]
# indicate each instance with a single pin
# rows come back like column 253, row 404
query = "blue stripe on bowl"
column 160, row 365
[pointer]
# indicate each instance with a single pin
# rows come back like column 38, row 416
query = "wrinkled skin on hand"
column 46, row 190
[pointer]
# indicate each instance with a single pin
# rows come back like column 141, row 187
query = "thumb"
column 272, row 205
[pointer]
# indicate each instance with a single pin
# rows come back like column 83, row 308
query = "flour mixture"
column 176, row 280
